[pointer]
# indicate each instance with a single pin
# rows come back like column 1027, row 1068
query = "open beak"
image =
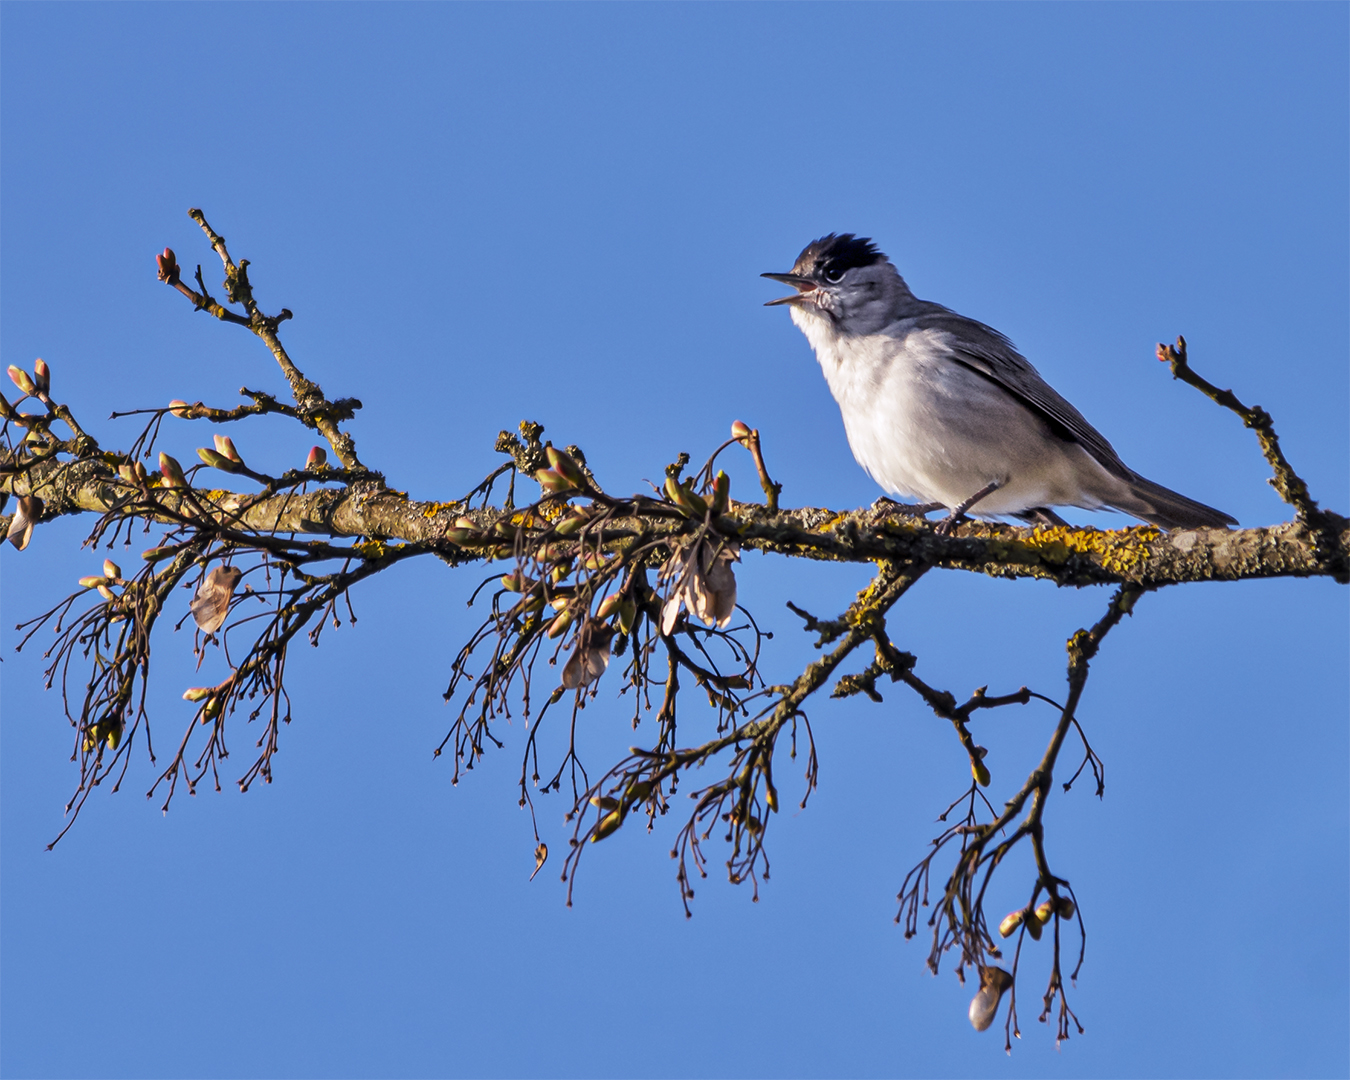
column 804, row 286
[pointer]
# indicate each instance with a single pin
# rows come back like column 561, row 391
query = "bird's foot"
column 908, row 509
column 947, row 524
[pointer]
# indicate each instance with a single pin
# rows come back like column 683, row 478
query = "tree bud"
column 1045, row 910
column 980, row 771
column 607, row 825
column 167, row 265
column 771, row 796
column 608, row 606
column 627, row 614
column 604, row 802
column 741, row 433
column 126, row 474
column 171, row 471
column 560, row 623
column 1032, row 923
column 139, row 471
column 1010, row 923
column 92, row 582
column 180, row 408
column 21, row 380
column 682, row 495
column 114, row 736
column 571, row 525
column 1066, row 908
column 111, row 569
column 994, row 983
column 42, row 375
column 721, row 492
column 318, row 458
column 217, row 461
column 106, row 593
column 225, row 446
column 196, row 693
column 552, row 482
column 515, row 582
column 211, row 709
column 639, row 791
column 565, row 467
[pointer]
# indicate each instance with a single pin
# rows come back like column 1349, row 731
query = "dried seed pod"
column 212, row 603
column 994, row 983
column 27, row 511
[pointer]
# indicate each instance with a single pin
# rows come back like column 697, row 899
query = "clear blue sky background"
column 484, row 213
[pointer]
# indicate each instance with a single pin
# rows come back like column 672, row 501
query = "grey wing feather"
column 987, row 352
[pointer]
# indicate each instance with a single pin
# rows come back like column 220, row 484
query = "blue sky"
column 483, row 213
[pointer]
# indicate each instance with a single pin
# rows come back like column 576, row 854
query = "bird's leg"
column 910, row 509
column 948, row 523
column 1041, row 515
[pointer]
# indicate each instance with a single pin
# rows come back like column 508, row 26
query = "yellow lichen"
column 1120, row 551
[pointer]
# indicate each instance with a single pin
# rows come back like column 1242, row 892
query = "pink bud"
column 180, row 408
column 318, row 458
column 172, row 472
column 42, row 375
column 225, row 446
column 740, row 432
column 168, row 266
column 21, row 379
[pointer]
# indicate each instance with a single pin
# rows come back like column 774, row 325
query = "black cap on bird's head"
column 824, row 262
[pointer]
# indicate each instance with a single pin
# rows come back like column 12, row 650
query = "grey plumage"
column 944, row 408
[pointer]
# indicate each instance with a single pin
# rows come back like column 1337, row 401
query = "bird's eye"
column 834, row 275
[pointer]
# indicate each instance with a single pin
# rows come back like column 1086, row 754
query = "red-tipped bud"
column 318, row 458
column 740, row 432
column 42, row 375
column 721, row 492
column 171, row 471
column 552, row 482
column 127, row 474
column 138, row 470
column 180, row 408
column 217, row 461
column 608, row 606
column 168, row 266
column 560, row 623
column 111, row 569
column 565, row 466
column 571, row 525
column 225, row 445
column 516, row 582
column 22, row 380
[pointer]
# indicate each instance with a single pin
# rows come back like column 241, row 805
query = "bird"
column 944, row 409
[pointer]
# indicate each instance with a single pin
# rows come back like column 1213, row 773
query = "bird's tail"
column 1165, row 508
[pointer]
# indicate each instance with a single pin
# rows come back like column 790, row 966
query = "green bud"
column 217, row 461
column 22, row 380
